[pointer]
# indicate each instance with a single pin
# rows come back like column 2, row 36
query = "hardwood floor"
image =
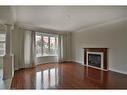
column 67, row 76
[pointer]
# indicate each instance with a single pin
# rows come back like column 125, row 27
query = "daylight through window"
column 2, row 44
column 46, row 44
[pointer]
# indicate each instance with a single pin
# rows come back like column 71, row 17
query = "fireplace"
column 96, row 58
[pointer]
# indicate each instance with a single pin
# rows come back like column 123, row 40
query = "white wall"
column 46, row 59
column 112, row 36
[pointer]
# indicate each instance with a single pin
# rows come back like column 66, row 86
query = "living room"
column 63, row 47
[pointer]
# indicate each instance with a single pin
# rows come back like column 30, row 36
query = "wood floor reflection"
column 67, row 76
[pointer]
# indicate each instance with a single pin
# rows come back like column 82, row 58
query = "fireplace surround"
column 96, row 58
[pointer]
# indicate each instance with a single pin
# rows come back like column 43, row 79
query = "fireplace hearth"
column 96, row 58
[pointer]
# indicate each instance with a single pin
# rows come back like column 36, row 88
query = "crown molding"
column 38, row 29
column 102, row 24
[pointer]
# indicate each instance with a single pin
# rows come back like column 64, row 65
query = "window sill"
column 46, row 56
column 2, row 55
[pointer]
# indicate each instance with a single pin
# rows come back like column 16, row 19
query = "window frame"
column 49, row 48
column 3, row 42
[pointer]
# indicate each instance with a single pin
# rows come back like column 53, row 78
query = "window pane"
column 45, row 45
column 2, row 37
column 52, row 45
column 38, row 44
column 2, row 49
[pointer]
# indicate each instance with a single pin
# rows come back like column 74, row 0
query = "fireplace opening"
column 94, row 60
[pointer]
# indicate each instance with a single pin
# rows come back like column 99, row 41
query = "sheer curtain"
column 64, row 47
column 29, row 49
column 23, row 48
column 60, row 48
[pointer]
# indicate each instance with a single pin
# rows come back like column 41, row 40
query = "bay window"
column 46, row 44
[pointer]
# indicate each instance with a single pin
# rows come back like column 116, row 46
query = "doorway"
column 2, row 52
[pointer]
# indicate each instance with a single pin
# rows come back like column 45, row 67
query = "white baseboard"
column 114, row 70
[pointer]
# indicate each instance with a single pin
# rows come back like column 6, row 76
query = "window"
column 52, row 45
column 46, row 44
column 38, row 44
column 2, row 44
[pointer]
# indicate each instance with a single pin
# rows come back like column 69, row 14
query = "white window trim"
column 48, row 35
column 4, row 42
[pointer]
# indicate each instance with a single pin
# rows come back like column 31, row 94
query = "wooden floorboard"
column 67, row 76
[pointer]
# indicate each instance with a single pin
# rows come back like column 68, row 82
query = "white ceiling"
column 68, row 18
